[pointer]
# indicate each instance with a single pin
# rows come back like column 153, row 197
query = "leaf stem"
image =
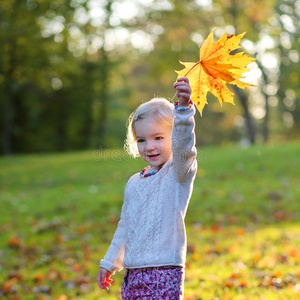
column 173, row 97
column 197, row 63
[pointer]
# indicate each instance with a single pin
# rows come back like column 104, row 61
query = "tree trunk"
column 266, row 122
column 243, row 98
column 104, row 84
column 249, row 122
column 104, row 94
column 266, row 119
column 8, row 123
column 9, row 103
column 10, row 85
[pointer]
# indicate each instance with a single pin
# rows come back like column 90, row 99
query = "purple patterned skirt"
column 158, row 283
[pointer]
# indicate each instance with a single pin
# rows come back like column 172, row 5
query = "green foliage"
column 68, row 81
column 59, row 213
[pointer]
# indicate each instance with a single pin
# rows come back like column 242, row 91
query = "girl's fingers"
column 105, row 286
column 99, row 279
column 106, row 282
column 103, row 279
column 182, row 86
column 185, row 95
column 184, row 90
column 184, row 79
column 107, row 277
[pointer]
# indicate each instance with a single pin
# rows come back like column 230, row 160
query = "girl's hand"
column 103, row 279
column 183, row 90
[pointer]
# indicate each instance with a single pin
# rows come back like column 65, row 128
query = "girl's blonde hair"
column 159, row 109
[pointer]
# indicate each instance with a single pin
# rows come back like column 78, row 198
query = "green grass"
column 58, row 213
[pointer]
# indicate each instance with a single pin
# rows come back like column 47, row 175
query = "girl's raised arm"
column 183, row 135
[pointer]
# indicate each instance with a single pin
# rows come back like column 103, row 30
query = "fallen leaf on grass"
column 227, row 296
column 243, row 283
column 215, row 227
column 15, row 242
column 189, row 298
column 232, row 220
column 16, row 276
column 113, row 220
column 82, row 279
column 191, row 248
column 240, row 232
column 256, row 257
column 76, row 267
column 191, row 275
column 39, row 278
column 295, row 253
column 280, row 215
column 87, row 252
column 82, row 229
column 235, row 248
column 196, row 256
column 277, row 274
column 229, row 283
column 59, row 239
column 61, row 297
column 233, row 283
column 235, row 275
column 267, row 262
column 15, row 297
column 8, row 286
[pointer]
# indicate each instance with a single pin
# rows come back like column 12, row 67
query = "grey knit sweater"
column 151, row 231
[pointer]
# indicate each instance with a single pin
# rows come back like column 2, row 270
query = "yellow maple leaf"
column 215, row 68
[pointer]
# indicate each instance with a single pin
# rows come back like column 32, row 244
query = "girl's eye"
column 158, row 138
column 140, row 140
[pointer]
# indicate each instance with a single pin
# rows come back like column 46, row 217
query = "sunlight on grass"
column 235, row 261
column 59, row 212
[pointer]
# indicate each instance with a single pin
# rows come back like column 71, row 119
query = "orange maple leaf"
column 215, row 68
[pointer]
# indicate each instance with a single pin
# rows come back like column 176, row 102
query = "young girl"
column 150, row 241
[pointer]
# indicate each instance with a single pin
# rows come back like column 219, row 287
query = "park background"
column 71, row 72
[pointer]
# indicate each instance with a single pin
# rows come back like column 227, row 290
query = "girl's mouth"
column 153, row 156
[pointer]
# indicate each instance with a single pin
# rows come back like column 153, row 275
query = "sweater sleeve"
column 183, row 143
column 115, row 254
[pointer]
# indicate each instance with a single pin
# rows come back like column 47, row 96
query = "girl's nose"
column 150, row 146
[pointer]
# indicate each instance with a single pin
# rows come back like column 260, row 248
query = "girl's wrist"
column 181, row 108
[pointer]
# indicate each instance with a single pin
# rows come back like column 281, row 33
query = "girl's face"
column 154, row 141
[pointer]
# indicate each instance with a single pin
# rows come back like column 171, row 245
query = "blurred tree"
column 278, row 58
column 72, row 71
column 47, row 82
column 103, row 95
column 34, row 59
column 248, row 16
column 18, row 55
column 286, row 21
